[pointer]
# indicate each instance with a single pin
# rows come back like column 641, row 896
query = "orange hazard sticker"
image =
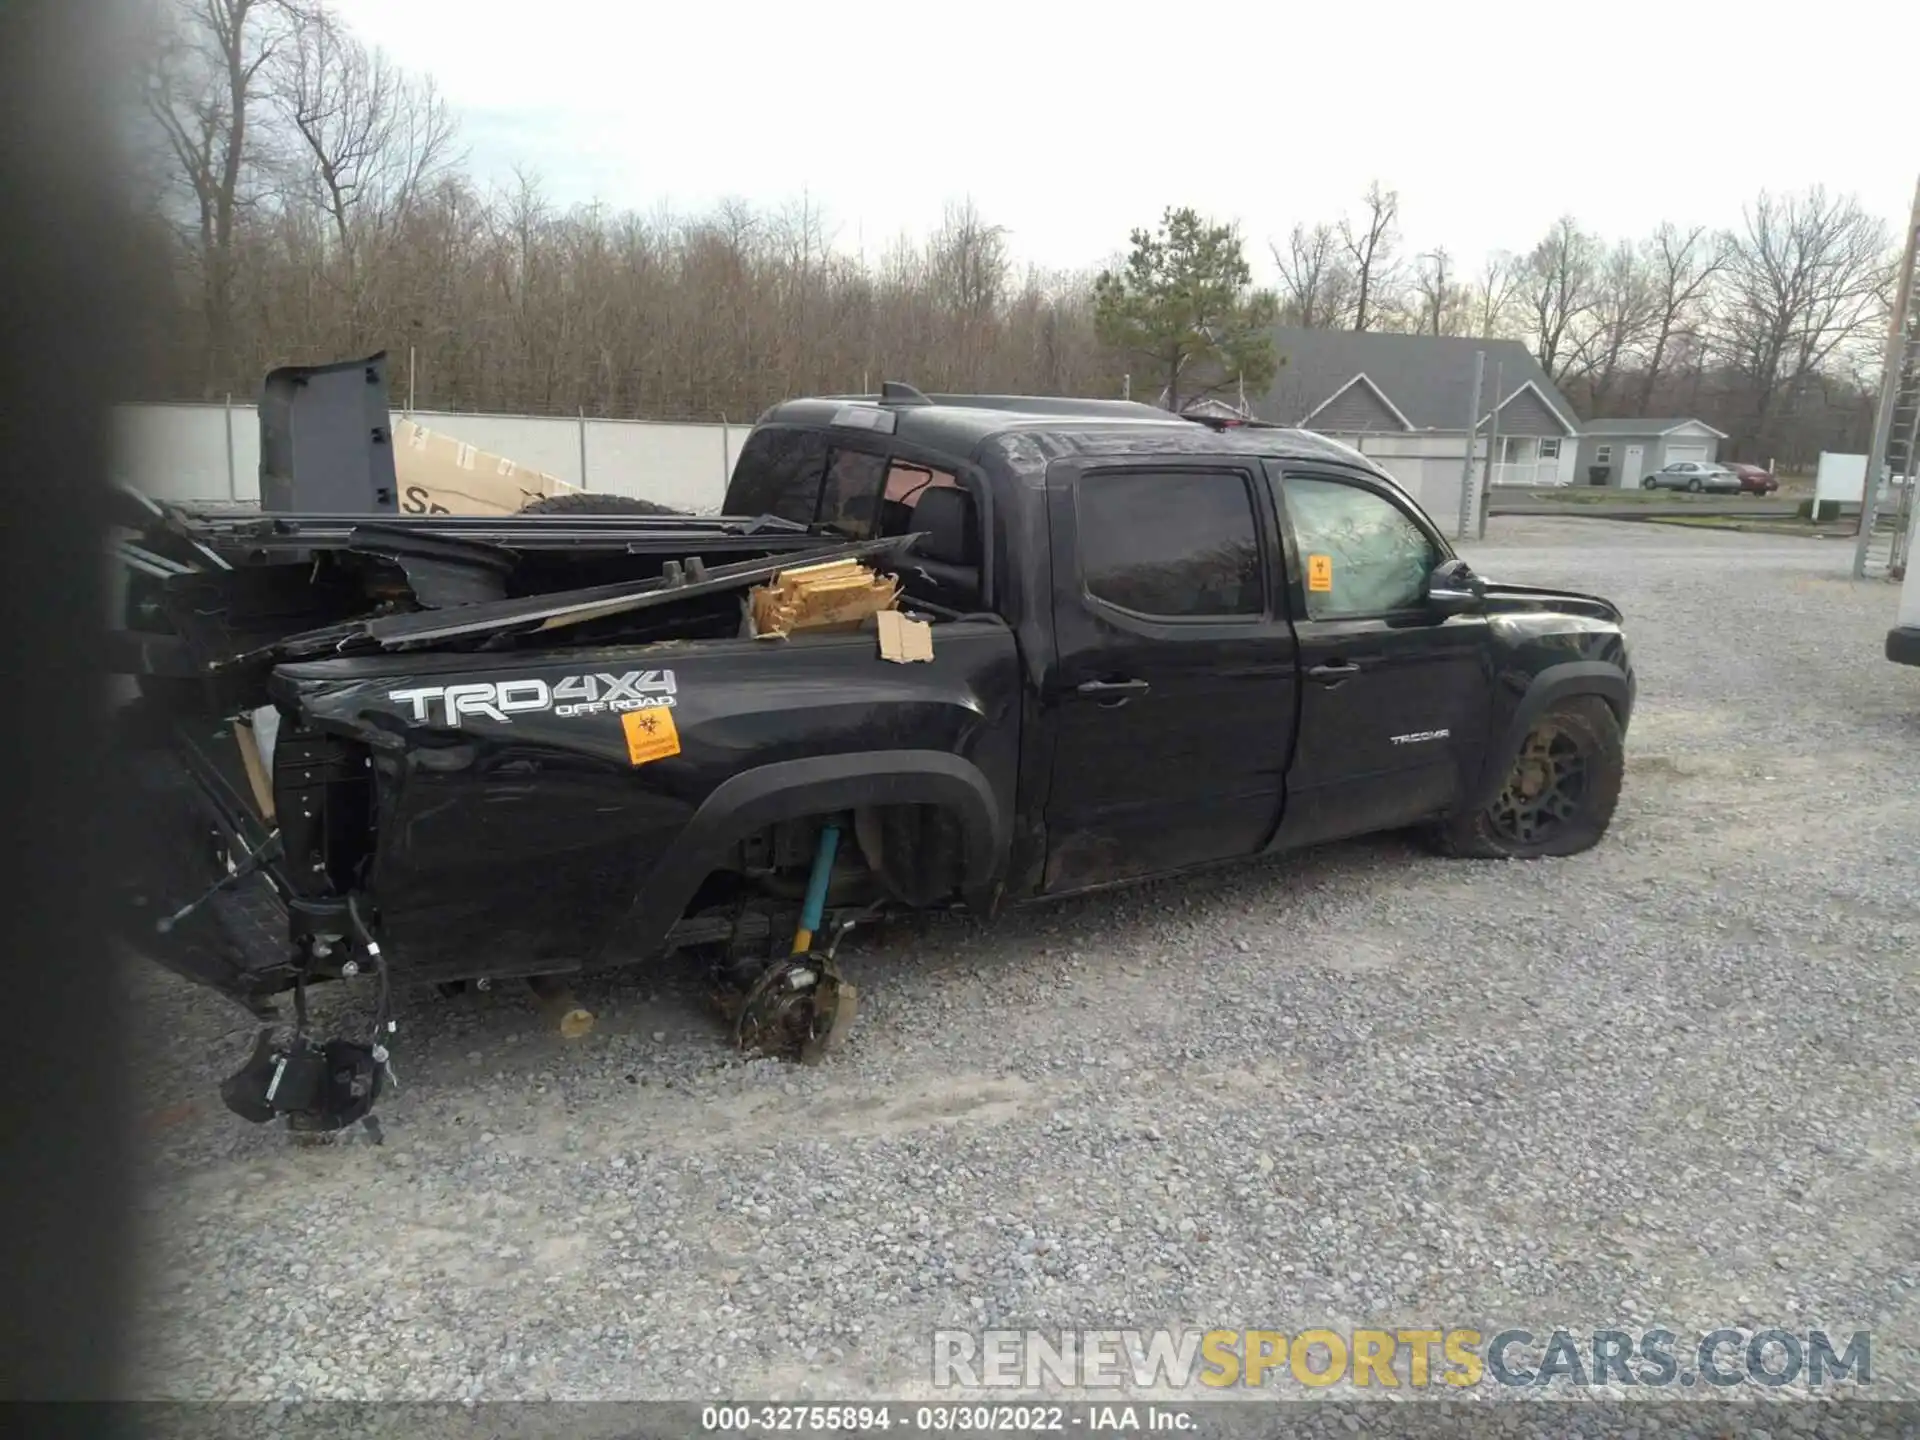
column 1319, row 572
column 651, row 734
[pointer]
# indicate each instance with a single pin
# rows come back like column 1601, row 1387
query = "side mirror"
column 1453, row 589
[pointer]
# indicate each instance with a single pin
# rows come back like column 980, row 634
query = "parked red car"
column 1753, row 479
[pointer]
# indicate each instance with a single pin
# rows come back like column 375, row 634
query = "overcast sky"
column 1070, row 123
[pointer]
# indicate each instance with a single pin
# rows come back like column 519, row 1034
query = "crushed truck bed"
column 440, row 749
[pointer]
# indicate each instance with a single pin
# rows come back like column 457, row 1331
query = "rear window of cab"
column 814, row 478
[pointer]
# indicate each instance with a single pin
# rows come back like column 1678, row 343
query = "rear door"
column 1395, row 697
column 1171, row 698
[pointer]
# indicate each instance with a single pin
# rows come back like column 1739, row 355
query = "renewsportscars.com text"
column 1415, row 1359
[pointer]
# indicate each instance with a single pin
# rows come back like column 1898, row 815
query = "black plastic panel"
column 326, row 439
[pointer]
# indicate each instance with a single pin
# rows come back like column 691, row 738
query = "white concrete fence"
column 212, row 452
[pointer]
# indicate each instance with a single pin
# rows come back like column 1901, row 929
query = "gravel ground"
column 1672, row 1081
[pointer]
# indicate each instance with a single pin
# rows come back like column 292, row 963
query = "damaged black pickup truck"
column 420, row 750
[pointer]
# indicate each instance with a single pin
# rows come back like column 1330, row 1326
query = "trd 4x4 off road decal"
column 572, row 695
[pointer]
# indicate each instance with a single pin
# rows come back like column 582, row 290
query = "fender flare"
column 1549, row 687
column 815, row 785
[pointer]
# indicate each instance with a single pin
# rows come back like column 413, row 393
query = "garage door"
column 1686, row 452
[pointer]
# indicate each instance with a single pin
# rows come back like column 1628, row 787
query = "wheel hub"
column 798, row 1007
column 1545, row 788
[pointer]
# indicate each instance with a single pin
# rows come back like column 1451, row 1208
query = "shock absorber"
column 815, row 906
column 800, row 1004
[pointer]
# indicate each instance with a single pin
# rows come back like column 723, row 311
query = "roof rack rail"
column 894, row 392
column 1235, row 422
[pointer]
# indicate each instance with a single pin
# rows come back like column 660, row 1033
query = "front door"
column 1171, row 697
column 1395, row 697
column 1632, row 468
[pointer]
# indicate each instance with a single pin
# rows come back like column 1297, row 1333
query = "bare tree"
column 201, row 90
column 967, row 271
column 1619, row 322
column 1494, row 296
column 314, row 206
column 1445, row 304
column 371, row 136
column 1370, row 247
column 1316, row 283
column 969, row 262
column 1682, row 267
column 1805, row 275
column 1557, row 291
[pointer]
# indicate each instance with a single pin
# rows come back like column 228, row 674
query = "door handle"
column 1337, row 670
column 1113, row 692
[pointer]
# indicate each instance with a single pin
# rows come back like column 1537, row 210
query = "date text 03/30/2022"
column 956, row 1419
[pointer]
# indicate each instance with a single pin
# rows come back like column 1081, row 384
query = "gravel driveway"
column 1674, row 1080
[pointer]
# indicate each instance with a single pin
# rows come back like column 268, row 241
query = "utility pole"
column 1493, row 451
column 1473, row 432
column 233, row 478
column 1892, row 371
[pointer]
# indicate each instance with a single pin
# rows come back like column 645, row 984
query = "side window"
column 1363, row 554
column 1170, row 544
column 850, row 500
column 907, row 482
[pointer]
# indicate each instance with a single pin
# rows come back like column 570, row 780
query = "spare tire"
column 591, row 502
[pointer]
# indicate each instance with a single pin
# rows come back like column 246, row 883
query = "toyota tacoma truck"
column 418, row 750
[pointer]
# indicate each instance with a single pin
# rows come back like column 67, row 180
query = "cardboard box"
column 439, row 475
column 903, row 639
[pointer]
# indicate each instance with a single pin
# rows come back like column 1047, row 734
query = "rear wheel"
column 593, row 502
column 1559, row 795
column 1694, row 485
column 1647, row 484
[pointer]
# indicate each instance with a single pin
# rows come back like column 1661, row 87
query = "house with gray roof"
column 1631, row 450
column 1404, row 401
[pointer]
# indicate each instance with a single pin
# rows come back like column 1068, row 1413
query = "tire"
column 1648, row 484
column 593, row 502
column 1694, row 485
column 1517, row 826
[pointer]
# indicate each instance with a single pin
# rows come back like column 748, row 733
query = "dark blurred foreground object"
column 70, row 321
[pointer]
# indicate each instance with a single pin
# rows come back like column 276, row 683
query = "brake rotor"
column 797, row 1008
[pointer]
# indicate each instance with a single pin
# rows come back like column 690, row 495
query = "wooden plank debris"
column 838, row 595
